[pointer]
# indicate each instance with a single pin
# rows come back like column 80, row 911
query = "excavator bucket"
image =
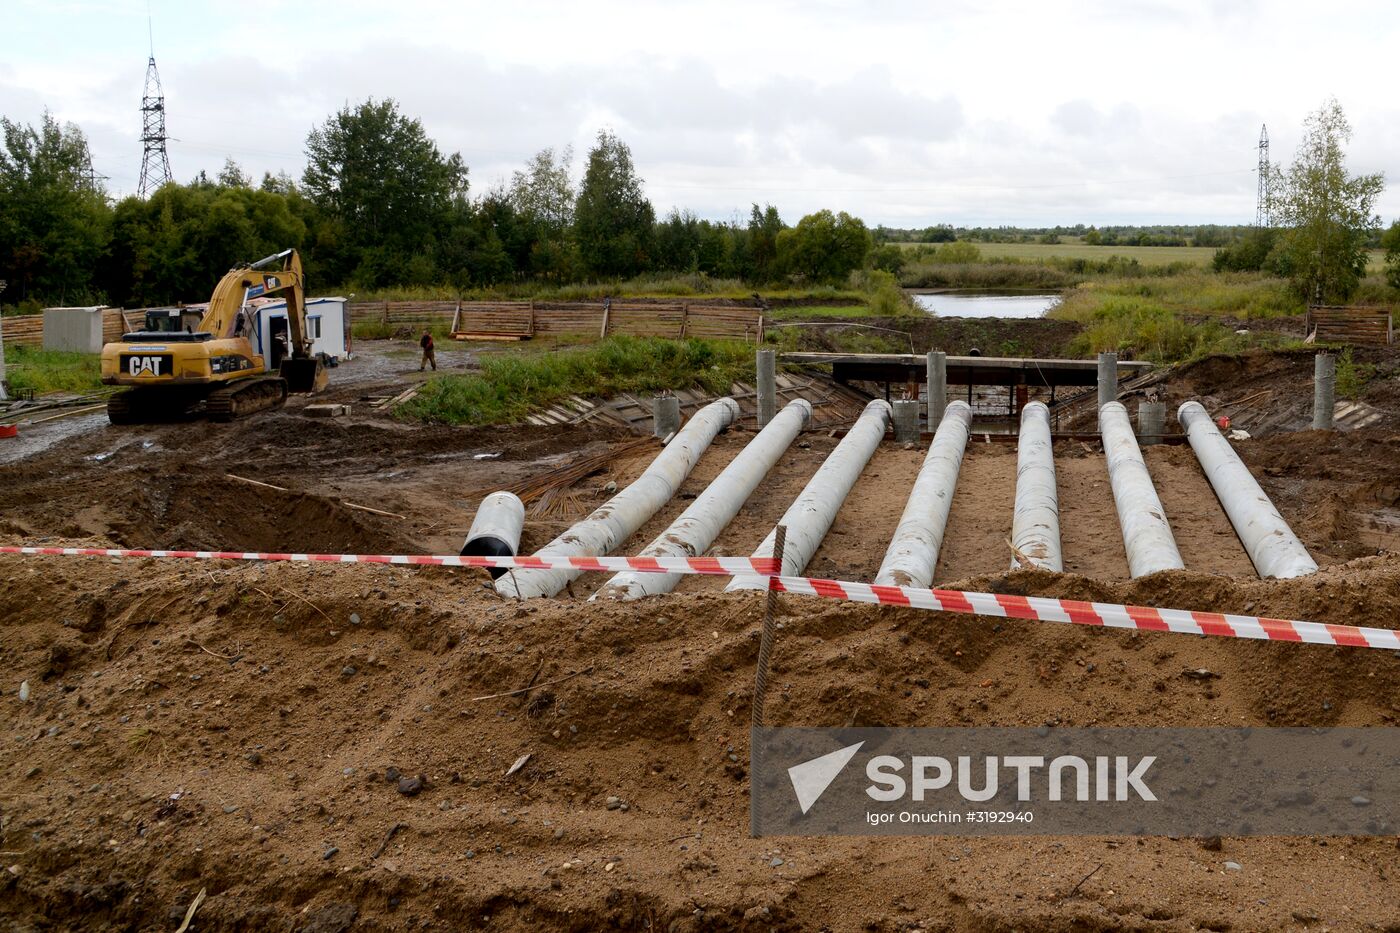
column 306, row 376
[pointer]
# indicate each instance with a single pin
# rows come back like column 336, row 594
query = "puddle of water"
column 986, row 304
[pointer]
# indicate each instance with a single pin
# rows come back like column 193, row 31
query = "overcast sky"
column 905, row 113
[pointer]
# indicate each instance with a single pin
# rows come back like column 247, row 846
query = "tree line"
column 379, row 205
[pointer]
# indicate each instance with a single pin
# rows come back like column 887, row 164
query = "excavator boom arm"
column 278, row 274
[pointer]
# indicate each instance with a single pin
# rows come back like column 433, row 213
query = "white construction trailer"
column 327, row 322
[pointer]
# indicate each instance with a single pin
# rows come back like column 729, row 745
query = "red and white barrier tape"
column 1106, row 615
column 722, row 566
column 1001, row 605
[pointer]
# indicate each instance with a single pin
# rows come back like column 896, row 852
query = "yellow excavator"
column 171, row 372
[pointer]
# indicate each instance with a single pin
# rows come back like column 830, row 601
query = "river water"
column 986, row 304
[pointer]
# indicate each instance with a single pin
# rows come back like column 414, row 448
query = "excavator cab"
column 173, row 321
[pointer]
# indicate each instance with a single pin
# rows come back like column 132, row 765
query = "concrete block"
column 76, row 330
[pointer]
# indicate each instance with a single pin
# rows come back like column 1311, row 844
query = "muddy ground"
column 228, row 728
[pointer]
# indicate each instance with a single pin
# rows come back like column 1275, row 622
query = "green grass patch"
column 52, row 370
column 1352, row 376
column 807, row 312
column 1141, row 328
column 509, row 386
column 1233, row 294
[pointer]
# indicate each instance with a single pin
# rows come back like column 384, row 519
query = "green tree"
column 678, row 242
column 232, row 176
column 824, row 247
column 543, row 196
column 175, row 246
column 1251, row 253
column 958, row 251
column 384, row 185
column 54, row 220
column 1390, row 242
column 613, row 220
column 764, row 228
column 1325, row 214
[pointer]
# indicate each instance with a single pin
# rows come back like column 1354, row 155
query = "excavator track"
column 246, row 397
column 142, row 406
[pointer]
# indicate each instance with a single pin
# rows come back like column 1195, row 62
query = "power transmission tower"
column 1262, row 211
column 155, row 162
column 93, row 177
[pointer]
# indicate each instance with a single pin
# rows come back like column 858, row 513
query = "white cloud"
column 900, row 111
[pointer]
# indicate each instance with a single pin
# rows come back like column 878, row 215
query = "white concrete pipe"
column 696, row 529
column 809, row 517
column 495, row 531
column 1035, row 525
column 619, row 518
column 913, row 552
column 1271, row 544
column 1147, row 535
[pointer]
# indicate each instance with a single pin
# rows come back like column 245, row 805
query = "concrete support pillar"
column 495, row 531
column 913, row 552
column 1035, row 525
column 1272, row 546
column 1152, row 422
column 1108, row 377
column 809, row 517
column 618, row 519
column 1147, row 536
column 767, row 366
column 906, row 421
column 692, row 534
column 665, row 415
column 937, row 387
column 1324, row 391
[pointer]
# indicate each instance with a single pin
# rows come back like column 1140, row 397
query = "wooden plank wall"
column 1362, row 326
column 27, row 330
column 23, row 330
column 518, row 319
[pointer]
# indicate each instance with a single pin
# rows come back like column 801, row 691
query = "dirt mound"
column 957, row 336
column 229, row 728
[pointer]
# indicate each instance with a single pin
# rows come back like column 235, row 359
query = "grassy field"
column 52, row 370
column 1147, row 255
column 510, row 385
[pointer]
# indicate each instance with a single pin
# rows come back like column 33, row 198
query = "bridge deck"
column 911, row 368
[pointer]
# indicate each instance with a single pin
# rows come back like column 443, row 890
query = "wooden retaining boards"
column 23, row 330
column 27, row 330
column 1361, row 326
column 520, row 320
